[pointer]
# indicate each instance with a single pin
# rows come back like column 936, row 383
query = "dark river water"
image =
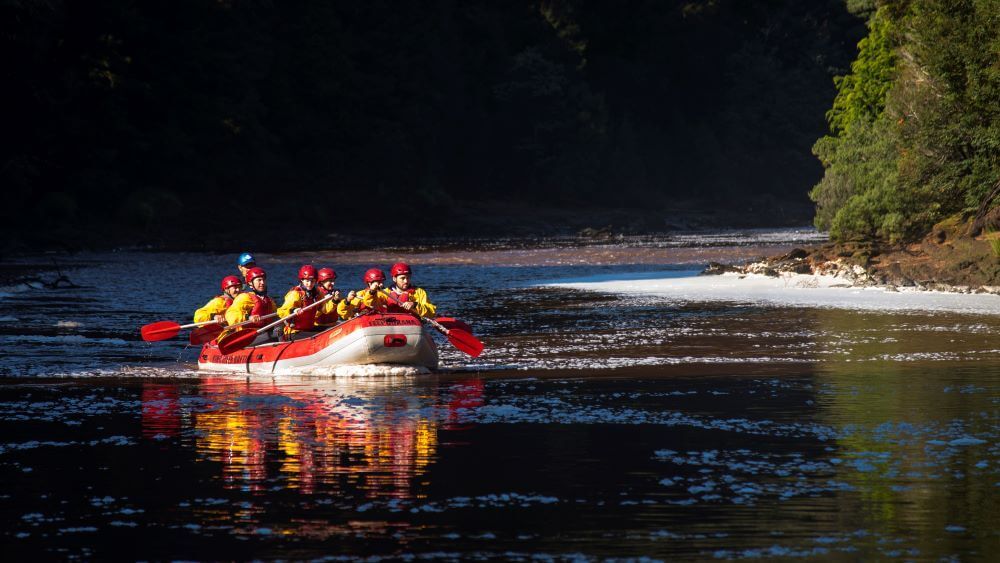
column 616, row 420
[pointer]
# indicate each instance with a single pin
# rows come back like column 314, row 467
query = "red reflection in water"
column 468, row 395
column 161, row 413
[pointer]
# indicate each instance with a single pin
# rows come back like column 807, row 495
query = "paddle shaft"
column 237, row 325
column 428, row 320
column 296, row 313
column 444, row 330
column 399, row 303
column 459, row 338
column 178, row 327
column 192, row 325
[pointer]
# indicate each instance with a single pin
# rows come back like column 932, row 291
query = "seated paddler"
column 326, row 314
column 368, row 300
column 215, row 309
column 252, row 305
column 302, row 325
column 404, row 297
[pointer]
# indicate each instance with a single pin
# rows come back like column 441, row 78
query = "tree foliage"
column 861, row 95
column 915, row 129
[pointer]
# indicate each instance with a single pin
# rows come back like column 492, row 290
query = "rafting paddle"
column 205, row 334
column 451, row 322
column 238, row 340
column 457, row 335
column 461, row 339
column 209, row 333
column 165, row 330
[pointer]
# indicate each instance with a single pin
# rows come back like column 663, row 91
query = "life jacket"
column 307, row 320
column 227, row 299
column 262, row 305
column 327, row 318
column 397, row 297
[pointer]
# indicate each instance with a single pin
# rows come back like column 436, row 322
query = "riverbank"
column 949, row 258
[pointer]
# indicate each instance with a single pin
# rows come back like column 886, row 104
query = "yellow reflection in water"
column 373, row 436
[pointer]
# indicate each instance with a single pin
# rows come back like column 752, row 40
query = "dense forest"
column 151, row 116
column 915, row 127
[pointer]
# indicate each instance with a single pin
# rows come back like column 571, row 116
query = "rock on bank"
column 950, row 258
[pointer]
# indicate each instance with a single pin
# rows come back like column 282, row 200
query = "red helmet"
column 307, row 271
column 230, row 281
column 400, row 268
column 254, row 273
column 326, row 274
column 374, row 275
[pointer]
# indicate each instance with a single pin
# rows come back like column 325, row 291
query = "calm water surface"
column 596, row 425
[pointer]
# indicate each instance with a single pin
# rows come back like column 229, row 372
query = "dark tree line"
column 144, row 114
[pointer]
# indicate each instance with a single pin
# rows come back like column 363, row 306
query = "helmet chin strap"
column 310, row 292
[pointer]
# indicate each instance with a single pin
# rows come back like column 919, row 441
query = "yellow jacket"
column 328, row 313
column 345, row 310
column 243, row 305
column 423, row 307
column 363, row 299
column 217, row 306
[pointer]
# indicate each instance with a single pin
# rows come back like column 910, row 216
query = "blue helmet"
column 246, row 258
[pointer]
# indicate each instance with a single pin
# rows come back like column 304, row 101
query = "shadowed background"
column 144, row 121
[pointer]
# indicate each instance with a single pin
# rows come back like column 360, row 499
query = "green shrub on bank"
column 859, row 155
column 856, row 164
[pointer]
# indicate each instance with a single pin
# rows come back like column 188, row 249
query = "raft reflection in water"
column 375, row 436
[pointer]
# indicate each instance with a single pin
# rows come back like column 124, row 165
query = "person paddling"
column 404, row 297
column 252, row 305
column 244, row 263
column 302, row 295
column 216, row 308
column 327, row 315
column 366, row 300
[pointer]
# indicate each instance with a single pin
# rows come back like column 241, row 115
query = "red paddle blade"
column 162, row 330
column 205, row 334
column 451, row 322
column 465, row 342
column 236, row 341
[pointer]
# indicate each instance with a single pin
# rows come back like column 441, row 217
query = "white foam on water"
column 382, row 372
column 794, row 290
column 68, row 324
column 173, row 371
